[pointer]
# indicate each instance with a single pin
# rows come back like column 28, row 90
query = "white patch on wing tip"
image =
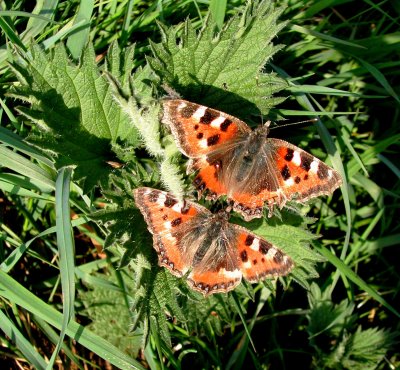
column 255, row 246
column 216, row 123
column 330, row 174
column 314, row 166
column 182, row 105
column 161, row 199
column 178, row 206
column 286, row 260
column 296, row 158
column 199, row 113
column 271, row 253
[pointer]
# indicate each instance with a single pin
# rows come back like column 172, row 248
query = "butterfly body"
column 246, row 165
column 213, row 253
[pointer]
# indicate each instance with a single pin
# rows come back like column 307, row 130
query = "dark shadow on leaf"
column 68, row 138
column 217, row 98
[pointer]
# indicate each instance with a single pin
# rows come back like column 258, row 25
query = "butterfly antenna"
column 295, row 123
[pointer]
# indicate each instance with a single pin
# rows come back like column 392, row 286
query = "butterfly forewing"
column 165, row 216
column 281, row 172
column 198, row 129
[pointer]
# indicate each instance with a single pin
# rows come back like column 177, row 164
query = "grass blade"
column 15, row 292
column 79, row 39
column 351, row 275
column 26, row 348
column 66, row 247
column 218, row 11
column 23, row 166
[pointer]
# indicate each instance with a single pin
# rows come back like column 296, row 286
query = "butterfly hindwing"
column 260, row 259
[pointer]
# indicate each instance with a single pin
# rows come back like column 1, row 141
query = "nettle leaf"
column 367, row 348
column 326, row 317
column 110, row 314
column 224, row 70
column 208, row 315
column 156, row 295
column 144, row 112
column 141, row 84
column 332, row 333
column 74, row 108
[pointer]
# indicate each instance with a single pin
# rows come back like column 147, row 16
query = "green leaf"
column 66, row 246
column 73, row 107
column 331, row 333
column 380, row 77
column 110, row 313
column 45, row 11
column 79, row 39
column 38, row 176
column 223, row 70
column 325, row 317
column 351, row 275
column 218, row 11
column 367, row 348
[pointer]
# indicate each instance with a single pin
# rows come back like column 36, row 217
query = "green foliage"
column 330, row 328
column 111, row 316
column 72, row 105
column 224, row 70
column 94, row 106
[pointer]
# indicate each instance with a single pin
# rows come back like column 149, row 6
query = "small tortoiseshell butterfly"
column 245, row 165
column 213, row 253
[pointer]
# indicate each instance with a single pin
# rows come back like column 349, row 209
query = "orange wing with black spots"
column 245, row 165
column 213, row 253
column 260, row 259
column 198, row 129
column 288, row 172
column 164, row 215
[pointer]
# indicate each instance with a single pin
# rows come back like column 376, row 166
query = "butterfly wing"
column 247, row 256
column 187, row 241
column 199, row 130
column 165, row 215
column 250, row 169
column 258, row 258
column 212, row 252
column 283, row 171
